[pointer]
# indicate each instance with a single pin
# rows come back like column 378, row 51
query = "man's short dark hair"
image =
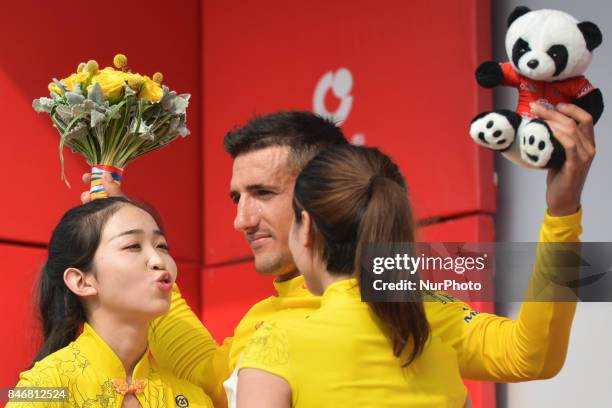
column 305, row 133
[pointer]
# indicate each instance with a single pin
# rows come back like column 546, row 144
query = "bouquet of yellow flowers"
column 112, row 116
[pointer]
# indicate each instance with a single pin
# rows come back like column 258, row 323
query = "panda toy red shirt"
column 547, row 93
column 549, row 51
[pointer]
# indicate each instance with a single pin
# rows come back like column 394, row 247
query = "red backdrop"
column 399, row 74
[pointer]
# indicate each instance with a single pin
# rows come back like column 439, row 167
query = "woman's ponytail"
column 60, row 311
column 387, row 222
column 356, row 196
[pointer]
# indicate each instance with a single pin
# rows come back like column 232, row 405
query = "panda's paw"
column 492, row 130
column 536, row 143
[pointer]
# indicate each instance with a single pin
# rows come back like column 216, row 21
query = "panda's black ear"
column 592, row 34
column 516, row 13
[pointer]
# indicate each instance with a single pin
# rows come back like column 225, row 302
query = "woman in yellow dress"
column 108, row 272
column 349, row 353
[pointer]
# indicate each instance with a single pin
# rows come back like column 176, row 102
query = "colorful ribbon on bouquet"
column 96, row 189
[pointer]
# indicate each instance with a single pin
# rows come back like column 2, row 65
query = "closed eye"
column 257, row 190
column 137, row 246
column 263, row 193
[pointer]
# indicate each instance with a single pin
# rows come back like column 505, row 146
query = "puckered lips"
column 164, row 282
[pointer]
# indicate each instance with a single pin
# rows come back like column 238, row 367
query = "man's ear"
column 80, row 283
column 305, row 229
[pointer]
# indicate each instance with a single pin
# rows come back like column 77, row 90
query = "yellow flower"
column 158, row 77
column 111, row 82
column 92, row 67
column 135, row 81
column 54, row 88
column 151, row 91
column 75, row 79
column 120, row 61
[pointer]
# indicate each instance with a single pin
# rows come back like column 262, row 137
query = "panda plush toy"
column 549, row 50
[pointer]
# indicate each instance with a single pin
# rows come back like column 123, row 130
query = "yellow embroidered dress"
column 95, row 377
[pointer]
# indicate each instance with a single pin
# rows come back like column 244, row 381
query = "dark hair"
column 305, row 133
column 355, row 196
column 73, row 244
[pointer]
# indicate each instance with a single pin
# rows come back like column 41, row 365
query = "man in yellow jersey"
column 268, row 153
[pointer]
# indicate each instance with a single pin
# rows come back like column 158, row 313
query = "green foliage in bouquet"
column 113, row 116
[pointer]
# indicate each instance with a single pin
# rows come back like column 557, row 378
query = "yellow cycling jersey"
column 488, row 347
column 338, row 356
column 94, row 376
